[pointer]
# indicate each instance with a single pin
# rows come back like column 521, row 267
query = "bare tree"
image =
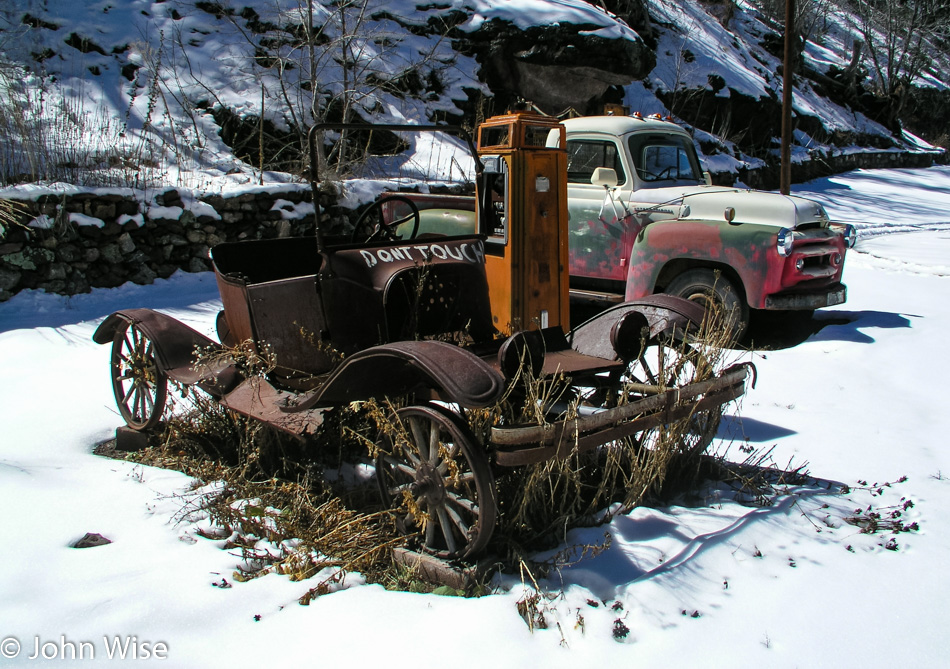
column 332, row 60
column 899, row 40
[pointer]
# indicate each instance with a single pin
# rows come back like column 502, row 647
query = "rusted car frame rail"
column 586, row 432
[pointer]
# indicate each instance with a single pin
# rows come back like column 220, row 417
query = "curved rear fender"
column 175, row 343
column 664, row 314
column 394, row 369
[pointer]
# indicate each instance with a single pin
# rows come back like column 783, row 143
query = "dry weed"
column 273, row 487
column 540, row 502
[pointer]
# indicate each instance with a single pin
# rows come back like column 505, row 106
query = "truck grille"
column 817, row 254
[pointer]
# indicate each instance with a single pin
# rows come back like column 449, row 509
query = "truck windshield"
column 660, row 158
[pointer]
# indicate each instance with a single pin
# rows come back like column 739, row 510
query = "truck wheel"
column 710, row 288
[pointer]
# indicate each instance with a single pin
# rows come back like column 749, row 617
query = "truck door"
column 599, row 247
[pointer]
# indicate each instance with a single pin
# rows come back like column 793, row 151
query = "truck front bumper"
column 813, row 299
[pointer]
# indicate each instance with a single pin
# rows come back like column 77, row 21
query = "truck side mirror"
column 607, row 178
column 707, row 177
column 604, row 176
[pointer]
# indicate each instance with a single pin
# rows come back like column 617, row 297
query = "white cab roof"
column 619, row 125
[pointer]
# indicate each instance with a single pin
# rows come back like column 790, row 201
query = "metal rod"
column 785, row 169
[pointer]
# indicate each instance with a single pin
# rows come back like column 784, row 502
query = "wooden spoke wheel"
column 437, row 480
column 668, row 365
column 139, row 385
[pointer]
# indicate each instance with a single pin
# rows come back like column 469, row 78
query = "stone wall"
column 69, row 241
column 826, row 164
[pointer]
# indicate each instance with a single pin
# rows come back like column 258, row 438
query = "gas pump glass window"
column 586, row 155
column 495, row 200
column 536, row 136
column 663, row 158
column 498, row 135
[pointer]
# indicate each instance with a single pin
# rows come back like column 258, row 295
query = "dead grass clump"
column 205, row 431
column 539, row 503
column 308, row 531
column 757, row 478
column 282, row 502
column 11, row 213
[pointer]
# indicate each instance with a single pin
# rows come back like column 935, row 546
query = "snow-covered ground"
column 715, row 582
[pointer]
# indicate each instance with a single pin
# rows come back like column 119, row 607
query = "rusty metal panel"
column 240, row 265
column 237, row 312
column 573, row 363
column 288, row 316
column 258, row 399
column 374, row 265
column 397, row 368
column 406, row 290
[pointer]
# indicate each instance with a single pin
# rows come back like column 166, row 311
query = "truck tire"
column 704, row 285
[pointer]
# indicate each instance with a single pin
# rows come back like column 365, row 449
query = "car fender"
column 745, row 251
column 617, row 331
column 175, row 343
column 390, row 370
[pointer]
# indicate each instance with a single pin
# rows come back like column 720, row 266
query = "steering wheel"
column 382, row 229
column 665, row 173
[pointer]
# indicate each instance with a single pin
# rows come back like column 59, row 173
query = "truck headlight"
column 850, row 236
column 783, row 241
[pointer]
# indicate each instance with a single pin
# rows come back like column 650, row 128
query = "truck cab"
column 644, row 219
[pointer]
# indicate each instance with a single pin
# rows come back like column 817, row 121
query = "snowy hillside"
column 145, row 92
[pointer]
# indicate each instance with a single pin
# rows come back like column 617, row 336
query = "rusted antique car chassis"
column 352, row 321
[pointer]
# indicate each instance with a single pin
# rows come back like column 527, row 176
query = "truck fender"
column 618, row 332
column 174, row 343
column 389, row 370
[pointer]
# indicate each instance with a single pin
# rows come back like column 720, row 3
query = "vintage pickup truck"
column 644, row 219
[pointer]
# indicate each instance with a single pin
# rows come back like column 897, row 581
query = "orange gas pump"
column 523, row 204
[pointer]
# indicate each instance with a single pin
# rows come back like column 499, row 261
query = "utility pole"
column 785, row 170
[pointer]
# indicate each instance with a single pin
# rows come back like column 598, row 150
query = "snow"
column 713, row 580
column 527, row 13
column 710, row 581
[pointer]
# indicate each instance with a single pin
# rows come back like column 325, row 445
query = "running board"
column 596, row 296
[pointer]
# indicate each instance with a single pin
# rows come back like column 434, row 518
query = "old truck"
column 448, row 327
column 645, row 219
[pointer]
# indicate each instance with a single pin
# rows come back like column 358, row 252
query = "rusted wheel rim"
column 437, row 481
column 139, row 385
